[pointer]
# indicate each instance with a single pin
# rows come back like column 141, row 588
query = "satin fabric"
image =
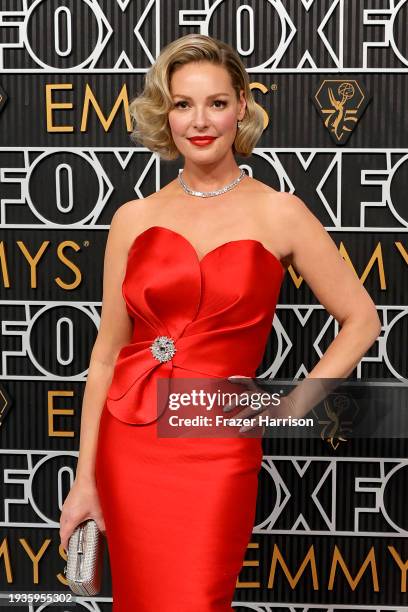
column 179, row 512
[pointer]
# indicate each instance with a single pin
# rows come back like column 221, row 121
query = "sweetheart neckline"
column 201, row 260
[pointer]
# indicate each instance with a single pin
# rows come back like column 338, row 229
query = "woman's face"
column 204, row 103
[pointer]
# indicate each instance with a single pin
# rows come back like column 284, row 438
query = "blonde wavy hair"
column 149, row 110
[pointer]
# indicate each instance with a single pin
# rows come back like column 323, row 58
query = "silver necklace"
column 208, row 194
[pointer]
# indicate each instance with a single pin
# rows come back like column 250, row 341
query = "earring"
column 239, row 124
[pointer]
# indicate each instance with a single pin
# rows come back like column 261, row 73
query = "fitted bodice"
column 216, row 311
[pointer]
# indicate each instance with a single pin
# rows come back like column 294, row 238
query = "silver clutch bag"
column 83, row 570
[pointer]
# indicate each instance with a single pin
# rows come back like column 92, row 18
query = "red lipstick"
column 202, row 141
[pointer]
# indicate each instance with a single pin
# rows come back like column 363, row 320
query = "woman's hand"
column 82, row 502
column 282, row 409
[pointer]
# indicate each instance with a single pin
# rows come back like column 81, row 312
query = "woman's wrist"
column 292, row 407
column 86, row 478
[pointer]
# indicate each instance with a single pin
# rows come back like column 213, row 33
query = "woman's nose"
column 200, row 118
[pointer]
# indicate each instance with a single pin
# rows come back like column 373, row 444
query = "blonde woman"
column 192, row 275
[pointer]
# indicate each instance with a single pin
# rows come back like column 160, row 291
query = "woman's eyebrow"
column 221, row 93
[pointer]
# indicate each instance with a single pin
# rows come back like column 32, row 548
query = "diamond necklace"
column 208, row 194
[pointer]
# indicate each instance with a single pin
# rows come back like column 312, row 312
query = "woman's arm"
column 315, row 256
column 115, row 330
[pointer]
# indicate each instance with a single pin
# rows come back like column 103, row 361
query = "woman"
column 200, row 264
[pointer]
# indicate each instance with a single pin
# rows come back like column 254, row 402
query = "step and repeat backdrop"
column 332, row 79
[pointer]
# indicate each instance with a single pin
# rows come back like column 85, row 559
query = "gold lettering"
column 72, row 266
column 309, row 558
column 297, row 280
column 106, row 123
column 402, row 250
column 58, row 411
column 60, row 576
column 403, row 567
column 261, row 87
column 35, row 558
column 33, row 261
column 3, row 263
column 249, row 563
column 377, row 255
column 338, row 559
column 50, row 106
column 4, row 552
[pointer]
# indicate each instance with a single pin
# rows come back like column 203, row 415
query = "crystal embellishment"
column 163, row 348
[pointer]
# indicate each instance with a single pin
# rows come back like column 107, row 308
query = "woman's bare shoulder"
column 289, row 208
column 138, row 211
column 266, row 197
column 138, row 206
column 134, row 216
column 274, row 205
column 278, row 212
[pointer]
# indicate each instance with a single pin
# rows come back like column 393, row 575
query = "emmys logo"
column 5, row 405
column 3, row 98
column 337, row 416
column 340, row 103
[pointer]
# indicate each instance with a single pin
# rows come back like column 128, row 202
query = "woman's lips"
column 202, row 140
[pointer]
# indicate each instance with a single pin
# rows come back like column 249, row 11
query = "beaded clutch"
column 83, row 570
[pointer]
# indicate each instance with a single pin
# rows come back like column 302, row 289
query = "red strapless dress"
column 179, row 512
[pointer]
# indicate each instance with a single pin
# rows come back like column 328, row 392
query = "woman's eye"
column 222, row 102
column 219, row 104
